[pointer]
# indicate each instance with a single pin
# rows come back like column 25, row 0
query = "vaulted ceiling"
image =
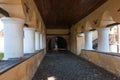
column 65, row 13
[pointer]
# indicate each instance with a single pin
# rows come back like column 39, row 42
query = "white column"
column 37, row 41
column 29, row 40
column 13, row 37
column 88, row 40
column 103, row 39
column 41, row 41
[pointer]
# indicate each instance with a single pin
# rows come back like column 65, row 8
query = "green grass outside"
column 1, row 55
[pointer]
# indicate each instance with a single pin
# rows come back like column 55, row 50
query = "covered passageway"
column 59, row 39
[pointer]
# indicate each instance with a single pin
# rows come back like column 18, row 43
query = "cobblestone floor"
column 63, row 65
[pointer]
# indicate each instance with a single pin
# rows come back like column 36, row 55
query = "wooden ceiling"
column 65, row 13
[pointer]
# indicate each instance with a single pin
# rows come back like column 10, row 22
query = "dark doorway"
column 57, row 43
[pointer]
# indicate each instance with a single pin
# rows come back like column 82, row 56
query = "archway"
column 57, row 43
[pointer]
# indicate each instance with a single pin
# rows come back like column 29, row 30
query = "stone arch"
column 114, row 8
column 32, row 22
column 38, row 24
column 27, row 9
column 80, row 28
column 105, row 19
column 62, row 43
column 42, row 27
column 102, row 19
column 87, row 26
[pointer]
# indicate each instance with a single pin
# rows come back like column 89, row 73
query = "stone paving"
column 64, row 65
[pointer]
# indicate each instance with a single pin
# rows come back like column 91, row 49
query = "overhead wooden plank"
column 65, row 13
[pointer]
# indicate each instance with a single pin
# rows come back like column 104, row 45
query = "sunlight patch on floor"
column 51, row 78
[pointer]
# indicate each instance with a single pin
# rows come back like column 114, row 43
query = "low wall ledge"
column 6, row 65
column 106, row 53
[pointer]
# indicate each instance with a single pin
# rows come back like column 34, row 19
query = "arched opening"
column 114, row 39
column 57, row 43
